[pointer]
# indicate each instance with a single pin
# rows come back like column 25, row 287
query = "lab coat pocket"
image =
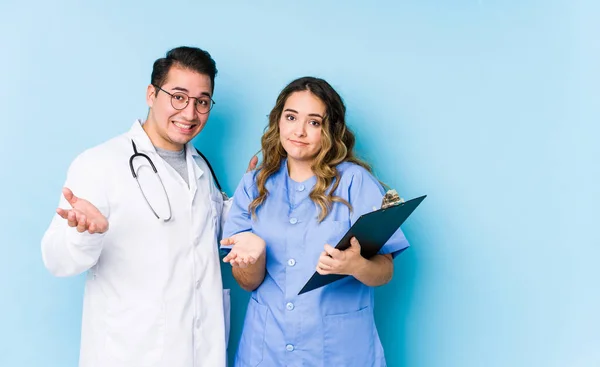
column 252, row 342
column 135, row 331
column 349, row 338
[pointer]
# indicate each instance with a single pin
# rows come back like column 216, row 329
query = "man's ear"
column 150, row 95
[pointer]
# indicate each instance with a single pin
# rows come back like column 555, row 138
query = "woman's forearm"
column 375, row 271
column 250, row 277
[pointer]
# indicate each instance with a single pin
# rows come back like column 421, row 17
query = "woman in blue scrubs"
column 285, row 219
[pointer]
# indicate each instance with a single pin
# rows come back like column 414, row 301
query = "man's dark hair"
column 191, row 58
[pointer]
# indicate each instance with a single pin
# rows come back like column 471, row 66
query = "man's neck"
column 157, row 140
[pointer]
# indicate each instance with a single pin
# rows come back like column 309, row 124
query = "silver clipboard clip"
column 391, row 198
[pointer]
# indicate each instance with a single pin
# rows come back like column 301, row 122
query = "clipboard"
column 372, row 230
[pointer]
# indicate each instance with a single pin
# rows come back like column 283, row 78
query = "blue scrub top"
column 332, row 325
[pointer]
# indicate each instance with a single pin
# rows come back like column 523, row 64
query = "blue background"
column 490, row 107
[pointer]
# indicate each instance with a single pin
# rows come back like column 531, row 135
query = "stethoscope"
column 137, row 154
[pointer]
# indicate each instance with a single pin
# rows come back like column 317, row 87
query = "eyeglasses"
column 180, row 100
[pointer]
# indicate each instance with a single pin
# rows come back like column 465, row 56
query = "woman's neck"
column 299, row 171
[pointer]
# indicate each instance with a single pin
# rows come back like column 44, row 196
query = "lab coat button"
column 293, row 220
column 289, row 347
column 289, row 306
column 291, row 262
column 301, row 188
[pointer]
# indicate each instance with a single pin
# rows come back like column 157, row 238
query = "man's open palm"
column 83, row 214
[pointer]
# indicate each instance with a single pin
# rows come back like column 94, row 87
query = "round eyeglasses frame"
column 197, row 108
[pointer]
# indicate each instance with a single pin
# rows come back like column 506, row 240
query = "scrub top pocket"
column 349, row 339
column 253, row 337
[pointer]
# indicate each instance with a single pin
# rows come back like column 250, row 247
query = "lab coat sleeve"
column 365, row 195
column 65, row 251
column 239, row 218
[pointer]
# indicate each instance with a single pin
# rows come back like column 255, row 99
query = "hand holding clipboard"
column 372, row 230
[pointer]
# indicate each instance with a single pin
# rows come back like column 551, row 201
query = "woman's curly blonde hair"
column 337, row 146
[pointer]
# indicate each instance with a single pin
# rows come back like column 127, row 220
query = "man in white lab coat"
column 141, row 213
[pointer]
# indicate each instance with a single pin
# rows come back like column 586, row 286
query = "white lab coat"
column 153, row 293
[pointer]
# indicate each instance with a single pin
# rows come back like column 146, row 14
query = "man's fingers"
column 62, row 212
column 102, row 228
column 68, row 194
column 252, row 164
column 92, row 228
column 71, row 218
column 81, row 223
column 76, row 218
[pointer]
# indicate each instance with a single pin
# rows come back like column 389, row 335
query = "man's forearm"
column 66, row 252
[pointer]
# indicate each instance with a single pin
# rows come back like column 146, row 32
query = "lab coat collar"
column 144, row 144
column 141, row 139
column 193, row 156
